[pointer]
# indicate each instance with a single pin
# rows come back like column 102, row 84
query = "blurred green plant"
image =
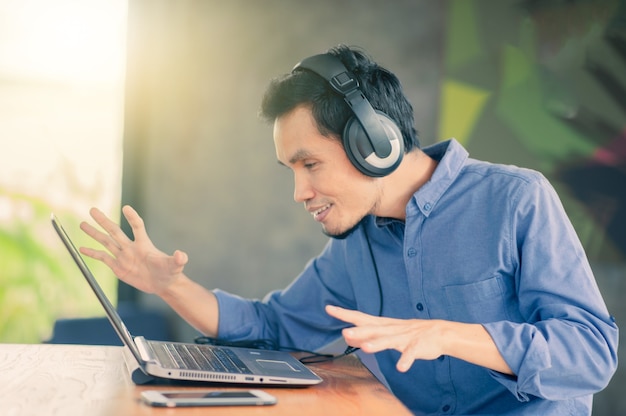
column 39, row 281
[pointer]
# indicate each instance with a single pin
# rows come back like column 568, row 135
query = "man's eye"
column 310, row 165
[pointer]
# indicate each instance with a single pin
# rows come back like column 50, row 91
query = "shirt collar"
column 451, row 157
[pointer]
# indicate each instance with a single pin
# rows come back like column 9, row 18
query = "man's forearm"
column 195, row 304
column 472, row 343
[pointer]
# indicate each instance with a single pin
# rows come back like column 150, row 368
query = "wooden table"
column 43, row 379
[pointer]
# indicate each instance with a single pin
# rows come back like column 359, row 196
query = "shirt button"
column 419, row 306
column 445, row 408
column 427, row 207
column 411, row 252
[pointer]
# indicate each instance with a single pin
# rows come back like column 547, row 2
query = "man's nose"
column 303, row 191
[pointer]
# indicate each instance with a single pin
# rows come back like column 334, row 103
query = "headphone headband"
column 332, row 70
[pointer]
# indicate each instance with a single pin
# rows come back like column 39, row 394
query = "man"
column 464, row 278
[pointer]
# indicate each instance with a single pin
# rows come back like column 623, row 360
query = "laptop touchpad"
column 274, row 365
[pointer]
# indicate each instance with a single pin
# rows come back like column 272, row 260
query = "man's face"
column 336, row 194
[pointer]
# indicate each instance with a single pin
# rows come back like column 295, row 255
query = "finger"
column 177, row 261
column 135, row 221
column 405, row 362
column 99, row 255
column 109, row 226
column 350, row 316
column 364, row 344
column 104, row 239
column 105, row 258
column 371, row 338
column 411, row 353
column 180, row 258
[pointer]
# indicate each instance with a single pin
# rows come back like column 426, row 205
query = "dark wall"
column 534, row 83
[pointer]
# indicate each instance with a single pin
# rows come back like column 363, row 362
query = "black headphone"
column 371, row 139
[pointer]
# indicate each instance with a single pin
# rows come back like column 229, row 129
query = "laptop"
column 170, row 361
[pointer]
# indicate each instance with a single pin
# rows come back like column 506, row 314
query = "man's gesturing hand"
column 421, row 339
column 414, row 338
column 137, row 262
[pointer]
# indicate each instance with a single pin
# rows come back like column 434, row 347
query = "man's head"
column 309, row 118
column 304, row 87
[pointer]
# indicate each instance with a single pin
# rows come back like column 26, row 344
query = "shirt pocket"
column 477, row 302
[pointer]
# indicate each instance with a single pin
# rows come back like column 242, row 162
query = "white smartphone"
column 186, row 398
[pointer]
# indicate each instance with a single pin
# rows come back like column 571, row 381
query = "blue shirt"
column 482, row 243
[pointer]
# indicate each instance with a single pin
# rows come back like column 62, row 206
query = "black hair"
column 302, row 87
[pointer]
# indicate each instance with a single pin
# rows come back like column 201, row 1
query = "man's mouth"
column 320, row 213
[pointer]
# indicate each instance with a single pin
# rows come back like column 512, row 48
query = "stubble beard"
column 342, row 235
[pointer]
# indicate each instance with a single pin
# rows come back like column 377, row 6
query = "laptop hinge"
column 144, row 349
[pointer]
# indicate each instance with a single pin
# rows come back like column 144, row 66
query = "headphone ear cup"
column 360, row 152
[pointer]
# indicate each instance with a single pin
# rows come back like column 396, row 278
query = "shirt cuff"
column 237, row 317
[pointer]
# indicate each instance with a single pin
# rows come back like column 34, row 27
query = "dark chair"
column 151, row 324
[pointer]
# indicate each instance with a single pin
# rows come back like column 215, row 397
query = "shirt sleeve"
column 568, row 345
column 293, row 317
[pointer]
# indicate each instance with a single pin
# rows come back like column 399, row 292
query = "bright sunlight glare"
column 61, row 99
column 64, row 40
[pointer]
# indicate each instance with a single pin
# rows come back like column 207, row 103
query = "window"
column 61, row 122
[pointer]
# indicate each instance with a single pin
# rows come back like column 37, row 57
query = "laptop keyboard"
column 200, row 357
